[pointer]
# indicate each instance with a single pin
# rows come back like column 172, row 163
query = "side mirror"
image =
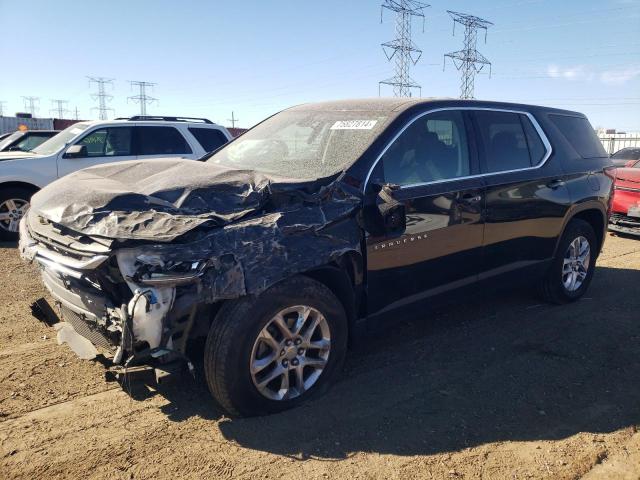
column 388, row 216
column 76, row 151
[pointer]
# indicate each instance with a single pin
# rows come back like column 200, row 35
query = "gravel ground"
column 499, row 387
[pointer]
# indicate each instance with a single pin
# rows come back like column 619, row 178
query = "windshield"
column 304, row 144
column 58, row 142
column 9, row 140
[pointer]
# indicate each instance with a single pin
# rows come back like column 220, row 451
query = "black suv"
column 324, row 215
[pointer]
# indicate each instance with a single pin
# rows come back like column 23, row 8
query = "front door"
column 104, row 145
column 433, row 164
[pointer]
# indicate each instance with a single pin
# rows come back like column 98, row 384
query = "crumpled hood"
column 251, row 229
column 157, row 199
column 161, row 199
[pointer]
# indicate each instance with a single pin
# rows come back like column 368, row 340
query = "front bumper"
column 76, row 290
column 132, row 321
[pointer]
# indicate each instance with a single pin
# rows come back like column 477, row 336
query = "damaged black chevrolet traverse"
column 277, row 246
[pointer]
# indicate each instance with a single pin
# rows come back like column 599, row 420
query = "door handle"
column 470, row 198
column 557, row 183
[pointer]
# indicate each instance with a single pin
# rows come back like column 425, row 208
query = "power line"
column 405, row 51
column 102, row 96
column 469, row 60
column 233, row 120
column 30, row 104
column 142, row 98
column 59, row 108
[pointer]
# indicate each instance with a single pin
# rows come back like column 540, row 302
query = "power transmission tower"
column 233, row 120
column 30, row 104
column 59, row 108
column 102, row 96
column 469, row 60
column 142, row 98
column 2, row 104
column 76, row 114
column 405, row 51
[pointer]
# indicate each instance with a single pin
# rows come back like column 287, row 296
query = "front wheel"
column 270, row 352
column 14, row 203
column 572, row 268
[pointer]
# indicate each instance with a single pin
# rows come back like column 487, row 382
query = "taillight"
column 611, row 172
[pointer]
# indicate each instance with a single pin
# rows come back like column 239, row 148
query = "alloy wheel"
column 290, row 353
column 11, row 212
column 575, row 265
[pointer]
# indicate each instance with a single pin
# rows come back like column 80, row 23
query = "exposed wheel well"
column 342, row 279
column 594, row 218
column 25, row 185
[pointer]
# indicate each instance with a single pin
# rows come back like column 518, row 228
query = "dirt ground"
column 498, row 387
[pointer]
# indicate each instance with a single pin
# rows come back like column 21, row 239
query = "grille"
column 87, row 329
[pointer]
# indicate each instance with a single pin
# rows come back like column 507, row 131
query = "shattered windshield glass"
column 304, row 144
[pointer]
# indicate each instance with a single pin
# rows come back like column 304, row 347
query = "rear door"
column 526, row 197
column 433, row 162
column 104, row 145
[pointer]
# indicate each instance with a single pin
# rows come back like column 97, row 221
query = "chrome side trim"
column 534, row 122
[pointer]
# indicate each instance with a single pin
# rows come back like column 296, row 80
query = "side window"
column 580, row 134
column 209, row 138
column 432, row 148
column 504, row 141
column 95, row 142
column 161, row 141
column 108, row 142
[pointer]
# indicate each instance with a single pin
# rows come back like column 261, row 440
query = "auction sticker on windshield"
column 354, row 125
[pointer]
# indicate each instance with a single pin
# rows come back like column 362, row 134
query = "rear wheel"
column 14, row 202
column 572, row 269
column 270, row 352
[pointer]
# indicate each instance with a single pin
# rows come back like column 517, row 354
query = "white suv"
column 89, row 143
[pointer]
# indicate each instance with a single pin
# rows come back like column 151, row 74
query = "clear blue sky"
column 257, row 57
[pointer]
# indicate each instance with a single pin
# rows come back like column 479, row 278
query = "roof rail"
column 165, row 119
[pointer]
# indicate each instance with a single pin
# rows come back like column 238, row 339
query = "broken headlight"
column 152, row 271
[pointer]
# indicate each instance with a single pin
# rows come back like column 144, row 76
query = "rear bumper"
column 624, row 224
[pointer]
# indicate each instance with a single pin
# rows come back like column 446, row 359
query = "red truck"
column 625, row 208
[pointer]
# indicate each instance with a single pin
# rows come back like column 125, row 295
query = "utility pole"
column 101, row 96
column 2, row 104
column 233, row 120
column 30, row 104
column 59, row 108
column 469, row 60
column 405, row 51
column 76, row 114
column 142, row 98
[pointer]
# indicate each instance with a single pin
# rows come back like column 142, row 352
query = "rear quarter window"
column 580, row 134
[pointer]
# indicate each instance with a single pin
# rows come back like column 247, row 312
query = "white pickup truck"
column 85, row 144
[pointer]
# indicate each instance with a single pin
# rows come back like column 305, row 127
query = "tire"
column 14, row 202
column 554, row 288
column 232, row 348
